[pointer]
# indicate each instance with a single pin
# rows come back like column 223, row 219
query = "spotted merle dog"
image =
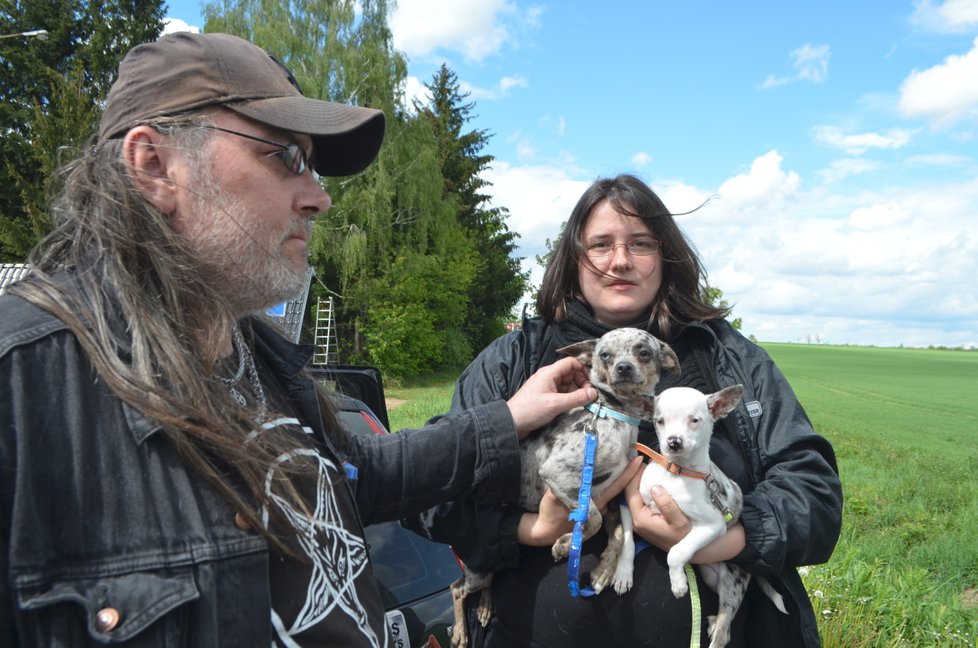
column 624, row 367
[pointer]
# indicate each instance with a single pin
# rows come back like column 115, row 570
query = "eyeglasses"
column 637, row 247
column 292, row 155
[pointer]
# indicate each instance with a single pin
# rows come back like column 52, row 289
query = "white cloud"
column 539, row 200
column 561, row 125
column 764, row 182
column 507, row 82
column 475, row 29
column 557, row 124
column 173, row 25
column 839, row 169
column 887, row 267
column 943, row 94
column 811, row 63
column 415, row 90
column 857, row 144
column 938, row 159
column 641, row 159
column 949, row 16
column 501, row 89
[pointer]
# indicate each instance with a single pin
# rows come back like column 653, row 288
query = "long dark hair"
column 147, row 320
column 682, row 297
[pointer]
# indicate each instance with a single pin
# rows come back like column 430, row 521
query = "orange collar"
column 712, row 485
column 671, row 467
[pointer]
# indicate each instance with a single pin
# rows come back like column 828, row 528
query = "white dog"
column 684, row 421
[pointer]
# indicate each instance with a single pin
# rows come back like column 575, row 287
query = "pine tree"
column 51, row 94
column 499, row 281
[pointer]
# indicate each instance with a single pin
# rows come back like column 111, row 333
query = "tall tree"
column 390, row 247
column 51, row 94
column 499, row 282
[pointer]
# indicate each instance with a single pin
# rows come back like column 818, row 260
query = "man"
column 168, row 476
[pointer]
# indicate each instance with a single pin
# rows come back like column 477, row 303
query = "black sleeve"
column 484, row 536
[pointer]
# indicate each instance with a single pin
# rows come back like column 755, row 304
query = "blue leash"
column 579, row 515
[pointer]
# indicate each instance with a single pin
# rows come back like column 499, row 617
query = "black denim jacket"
column 99, row 517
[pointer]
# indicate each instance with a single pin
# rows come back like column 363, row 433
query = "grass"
column 412, row 403
column 904, row 424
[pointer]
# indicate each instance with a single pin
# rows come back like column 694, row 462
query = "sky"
column 821, row 156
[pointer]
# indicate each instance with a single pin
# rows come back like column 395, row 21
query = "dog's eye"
column 604, row 355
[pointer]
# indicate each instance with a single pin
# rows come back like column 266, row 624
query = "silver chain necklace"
column 245, row 362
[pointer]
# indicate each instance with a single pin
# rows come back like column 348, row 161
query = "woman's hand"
column 551, row 390
column 669, row 525
column 544, row 528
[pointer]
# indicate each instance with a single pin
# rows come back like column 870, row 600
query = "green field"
column 904, row 423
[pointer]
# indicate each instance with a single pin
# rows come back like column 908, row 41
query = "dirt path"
column 394, row 402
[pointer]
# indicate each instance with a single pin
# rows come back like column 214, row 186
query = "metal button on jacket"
column 241, row 521
column 106, row 619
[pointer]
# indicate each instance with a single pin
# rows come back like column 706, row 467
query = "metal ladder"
column 327, row 344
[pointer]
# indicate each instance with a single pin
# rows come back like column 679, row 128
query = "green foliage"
column 499, row 281
column 421, row 198
column 715, row 296
column 414, row 322
column 51, row 95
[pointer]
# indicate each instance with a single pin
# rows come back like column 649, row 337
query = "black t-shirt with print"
column 330, row 596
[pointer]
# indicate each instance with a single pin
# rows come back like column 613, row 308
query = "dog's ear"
column 724, row 401
column 668, row 359
column 583, row 351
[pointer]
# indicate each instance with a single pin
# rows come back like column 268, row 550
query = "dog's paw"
column 483, row 614
column 680, row 586
column 600, row 578
column 460, row 638
column 561, row 548
column 623, row 579
column 719, row 633
column 622, row 583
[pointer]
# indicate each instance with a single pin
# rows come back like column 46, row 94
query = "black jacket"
column 99, row 514
column 792, row 492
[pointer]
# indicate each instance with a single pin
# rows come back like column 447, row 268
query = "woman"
column 623, row 261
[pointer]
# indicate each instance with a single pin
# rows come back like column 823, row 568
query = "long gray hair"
column 149, row 321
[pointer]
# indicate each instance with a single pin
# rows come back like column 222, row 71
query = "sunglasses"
column 292, row 155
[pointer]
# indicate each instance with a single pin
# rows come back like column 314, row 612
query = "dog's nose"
column 624, row 369
column 674, row 443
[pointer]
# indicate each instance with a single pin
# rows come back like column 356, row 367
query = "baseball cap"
column 184, row 71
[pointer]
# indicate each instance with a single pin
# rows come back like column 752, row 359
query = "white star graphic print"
column 336, row 554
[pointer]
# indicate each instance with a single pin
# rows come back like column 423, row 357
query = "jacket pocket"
column 145, row 608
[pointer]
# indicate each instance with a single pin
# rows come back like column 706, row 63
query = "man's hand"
column 551, row 390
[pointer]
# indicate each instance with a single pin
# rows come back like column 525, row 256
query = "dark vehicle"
column 413, row 573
